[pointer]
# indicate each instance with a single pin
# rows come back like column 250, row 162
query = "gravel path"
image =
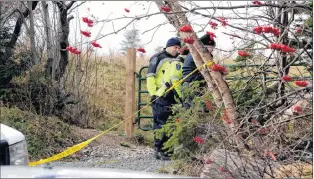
column 110, row 151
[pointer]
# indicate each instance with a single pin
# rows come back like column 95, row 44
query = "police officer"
column 189, row 66
column 172, row 75
column 156, row 69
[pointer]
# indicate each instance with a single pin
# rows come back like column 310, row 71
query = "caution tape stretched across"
column 78, row 147
column 71, row 150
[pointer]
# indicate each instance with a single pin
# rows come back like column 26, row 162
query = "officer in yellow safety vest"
column 172, row 75
column 157, row 66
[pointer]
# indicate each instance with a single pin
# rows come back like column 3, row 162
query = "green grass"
column 45, row 136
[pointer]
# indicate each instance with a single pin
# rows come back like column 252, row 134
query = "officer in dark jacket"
column 189, row 66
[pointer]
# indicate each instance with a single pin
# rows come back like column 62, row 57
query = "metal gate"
column 145, row 122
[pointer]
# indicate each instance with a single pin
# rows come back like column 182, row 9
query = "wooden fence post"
column 130, row 92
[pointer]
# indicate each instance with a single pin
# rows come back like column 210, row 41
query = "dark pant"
column 161, row 114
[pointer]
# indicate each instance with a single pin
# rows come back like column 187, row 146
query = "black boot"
column 161, row 156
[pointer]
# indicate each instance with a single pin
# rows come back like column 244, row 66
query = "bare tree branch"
column 17, row 28
column 70, row 5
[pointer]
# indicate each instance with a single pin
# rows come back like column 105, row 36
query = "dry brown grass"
column 295, row 170
column 100, row 82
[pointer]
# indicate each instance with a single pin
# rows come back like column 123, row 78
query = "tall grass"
column 99, row 84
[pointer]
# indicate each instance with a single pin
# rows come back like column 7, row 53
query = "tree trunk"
column 215, row 81
column 17, row 30
column 47, row 28
column 32, row 33
column 284, row 21
column 64, row 30
column 63, row 40
column 177, row 21
column 0, row 11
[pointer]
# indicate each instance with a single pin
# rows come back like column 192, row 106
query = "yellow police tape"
column 77, row 147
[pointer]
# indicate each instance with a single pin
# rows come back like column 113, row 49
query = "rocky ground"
column 114, row 151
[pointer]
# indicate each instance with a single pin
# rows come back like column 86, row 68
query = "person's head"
column 208, row 43
column 173, row 46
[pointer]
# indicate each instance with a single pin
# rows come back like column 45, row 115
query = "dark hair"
column 205, row 39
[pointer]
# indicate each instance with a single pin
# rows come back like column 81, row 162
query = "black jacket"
column 188, row 67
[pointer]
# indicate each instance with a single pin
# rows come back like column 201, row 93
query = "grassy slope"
column 45, row 135
column 103, row 87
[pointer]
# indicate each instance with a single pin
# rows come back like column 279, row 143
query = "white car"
column 42, row 172
column 13, row 147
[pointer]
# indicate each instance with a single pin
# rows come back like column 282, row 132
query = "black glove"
column 152, row 99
